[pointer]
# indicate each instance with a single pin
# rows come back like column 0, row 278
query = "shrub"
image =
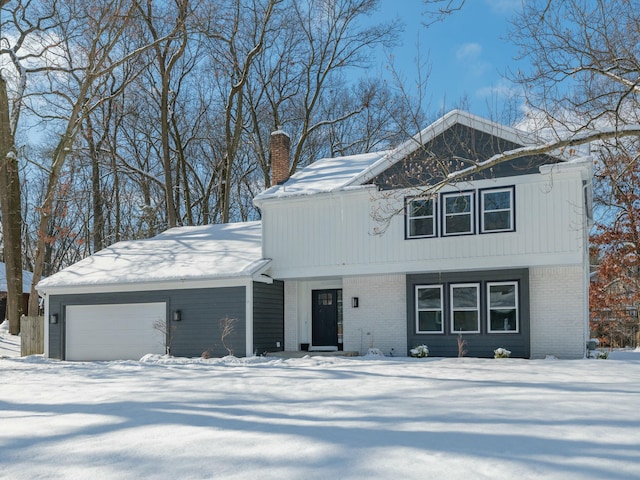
column 420, row 351
column 462, row 343
column 501, row 353
column 602, row 354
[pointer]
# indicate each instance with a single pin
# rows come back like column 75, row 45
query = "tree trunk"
column 96, row 190
column 11, row 214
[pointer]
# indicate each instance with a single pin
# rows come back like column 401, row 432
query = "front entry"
column 326, row 318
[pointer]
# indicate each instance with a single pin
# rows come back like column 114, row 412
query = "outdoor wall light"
column 355, row 302
column 53, row 318
column 177, row 316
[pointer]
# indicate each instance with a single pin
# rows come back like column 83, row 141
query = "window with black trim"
column 421, row 218
column 429, row 309
column 496, row 210
column 458, row 213
column 502, row 307
column 465, row 308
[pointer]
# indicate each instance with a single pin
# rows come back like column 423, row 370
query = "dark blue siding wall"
column 268, row 317
column 477, row 344
column 458, row 142
column 203, row 315
column 202, row 311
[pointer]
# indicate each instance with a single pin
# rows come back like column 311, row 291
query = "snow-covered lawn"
column 319, row 418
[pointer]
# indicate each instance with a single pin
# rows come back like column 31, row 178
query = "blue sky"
column 468, row 52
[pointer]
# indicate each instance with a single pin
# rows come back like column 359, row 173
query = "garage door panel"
column 114, row 332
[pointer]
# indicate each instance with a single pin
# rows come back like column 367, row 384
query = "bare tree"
column 236, row 39
column 20, row 25
column 584, row 62
column 438, row 10
column 299, row 84
column 227, row 328
column 334, row 43
column 89, row 50
column 10, row 210
column 167, row 54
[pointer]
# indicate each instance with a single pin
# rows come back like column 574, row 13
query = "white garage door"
column 114, row 332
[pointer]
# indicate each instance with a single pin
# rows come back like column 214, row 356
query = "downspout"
column 46, row 325
column 588, row 216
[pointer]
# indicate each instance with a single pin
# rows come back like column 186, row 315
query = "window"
column 421, row 218
column 458, row 213
column 496, row 206
column 465, row 308
column 502, row 305
column 325, row 299
column 429, row 309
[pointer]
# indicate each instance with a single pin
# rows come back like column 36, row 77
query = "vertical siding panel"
column 268, row 317
column 334, row 232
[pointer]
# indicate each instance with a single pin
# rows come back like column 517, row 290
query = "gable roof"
column 27, row 277
column 178, row 254
column 454, row 117
column 340, row 173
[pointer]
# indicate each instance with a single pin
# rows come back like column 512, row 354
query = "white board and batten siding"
column 114, row 332
column 333, row 234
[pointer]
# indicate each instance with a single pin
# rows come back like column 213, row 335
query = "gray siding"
column 202, row 311
column 456, row 143
column 268, row 317
column 478, row 344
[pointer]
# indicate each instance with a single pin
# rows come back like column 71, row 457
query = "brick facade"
column 380, row 319
column 558, row 314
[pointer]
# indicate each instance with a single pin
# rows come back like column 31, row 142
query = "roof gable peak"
column 441, row 125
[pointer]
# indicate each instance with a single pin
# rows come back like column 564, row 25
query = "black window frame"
column 471, row 213
column 442, row 310
column 483, row 307
column 409, row 218
column 477, row 309
column 516, row 306
column 481, row 209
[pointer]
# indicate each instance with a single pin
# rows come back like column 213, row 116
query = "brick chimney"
column 279, row 157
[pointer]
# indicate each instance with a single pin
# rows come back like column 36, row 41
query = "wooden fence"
column 31, row 335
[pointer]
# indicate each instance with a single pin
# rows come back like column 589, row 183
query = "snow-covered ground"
column 319, row 418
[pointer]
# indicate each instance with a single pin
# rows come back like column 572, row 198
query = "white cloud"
column 470, row 55
column 503, row 89
column 469, row 51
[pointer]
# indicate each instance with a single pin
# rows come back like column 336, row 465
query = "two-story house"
column 360, row 251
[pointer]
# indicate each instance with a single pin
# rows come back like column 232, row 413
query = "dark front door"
column 326, row 317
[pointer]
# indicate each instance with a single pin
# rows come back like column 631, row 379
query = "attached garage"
column 170, row 293
column 114, row 332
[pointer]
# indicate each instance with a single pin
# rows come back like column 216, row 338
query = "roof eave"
column 255, row 269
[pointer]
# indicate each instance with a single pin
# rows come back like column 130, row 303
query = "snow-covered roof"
column 339, row 173
column 325, row 175
column 178, row 254
column 26, row 279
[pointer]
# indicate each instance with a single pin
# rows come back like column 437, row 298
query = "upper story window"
column 421, row 218
column 502, row 306
column 465, row 308
column 429, row 308
column 496, row 210
column 458, row 213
